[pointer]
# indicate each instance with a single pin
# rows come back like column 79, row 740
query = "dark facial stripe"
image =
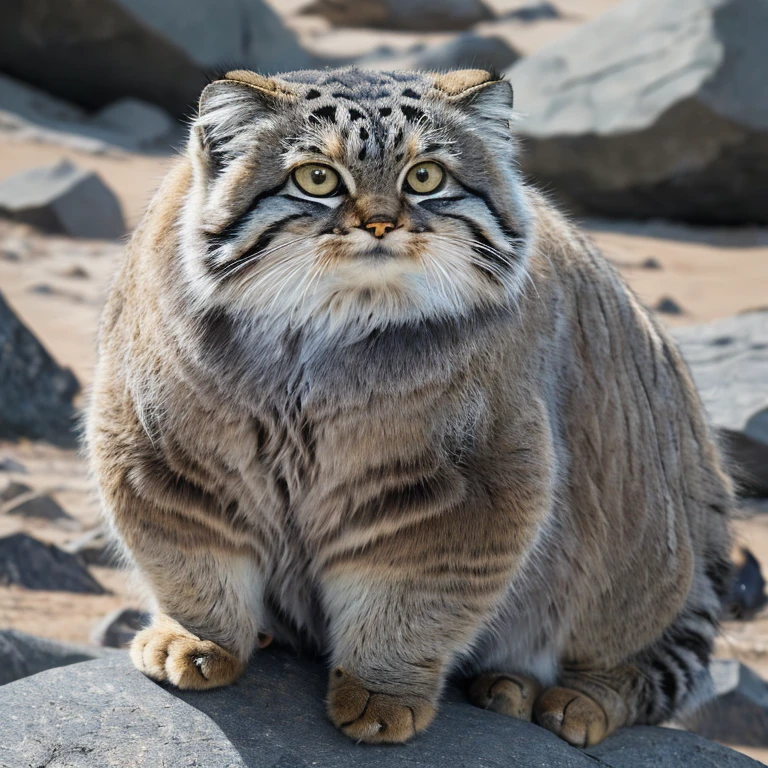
column 478, row 235
column 503, row 226
column 216, row 239
column 266, row 237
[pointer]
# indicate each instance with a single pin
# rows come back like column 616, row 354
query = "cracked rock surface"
column 105, row 713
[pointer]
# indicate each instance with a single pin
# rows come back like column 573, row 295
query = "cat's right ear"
column 227, row 108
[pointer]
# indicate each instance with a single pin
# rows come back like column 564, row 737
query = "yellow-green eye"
column 424, row 178
column 316, row 180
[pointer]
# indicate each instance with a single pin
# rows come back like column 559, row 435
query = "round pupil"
column 318, row 176
column 422, row 175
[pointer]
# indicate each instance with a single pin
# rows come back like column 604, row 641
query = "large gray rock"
column 93, row 52
column 414, row 15
column 653, row 109
column 35, row 393
column 757, row 426
column 22, row 655
column 105, row 713
column 32, row 564
column 147, row 124
column 28, row 113
column 62, row 199
column 36, row 506
column 465, row 51
column 729, row 362
column 223, row 34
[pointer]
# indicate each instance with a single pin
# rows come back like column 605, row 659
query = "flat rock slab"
column 105, row 713
column 729, row 362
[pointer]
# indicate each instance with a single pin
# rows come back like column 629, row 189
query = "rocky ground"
column 55, row 284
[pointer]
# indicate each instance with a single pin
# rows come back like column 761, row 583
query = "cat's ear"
column 228, row 106
column 483, row 92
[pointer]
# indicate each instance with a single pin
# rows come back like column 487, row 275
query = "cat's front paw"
column 168, row 652
column 572, row 715
column 374, row 717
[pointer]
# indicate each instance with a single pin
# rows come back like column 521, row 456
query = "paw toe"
column 572, row 715
column 166, row 653
column 372, row 716
column 509, row 695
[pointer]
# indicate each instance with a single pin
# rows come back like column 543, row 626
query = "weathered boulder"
column 653, row 109
column 62, row 199
column 757, row 426
column 22, row 655
column 28, row 113
column 118, row 628
column 27, row 562
column 542, row 11
column 93, row 52
column 12, row 490
column 35, row 393
column 34, row 505
column 729, row 362
column 414, row 15
column 94, row 547
column 465, row 51
column 105, row 713
column 7, row 464
column 146, row 124
column 223, row 34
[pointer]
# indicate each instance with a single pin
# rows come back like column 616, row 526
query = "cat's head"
column 355, row 199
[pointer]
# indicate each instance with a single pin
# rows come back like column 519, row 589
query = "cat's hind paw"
column 510, row 695
column 572, row 715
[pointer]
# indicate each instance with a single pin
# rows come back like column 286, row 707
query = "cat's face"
column 355, row 199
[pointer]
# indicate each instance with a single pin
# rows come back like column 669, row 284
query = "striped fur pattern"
column 462, row 447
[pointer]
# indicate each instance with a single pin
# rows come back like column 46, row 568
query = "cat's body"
column 500, row 469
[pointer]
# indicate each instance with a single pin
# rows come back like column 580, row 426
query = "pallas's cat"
column 361, row 388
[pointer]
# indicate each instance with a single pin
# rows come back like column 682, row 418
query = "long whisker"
column 287, row 277
column 500, row 255
column 241, row 263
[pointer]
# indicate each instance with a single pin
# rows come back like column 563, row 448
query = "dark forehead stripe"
column 324, row 113
column 380, row 105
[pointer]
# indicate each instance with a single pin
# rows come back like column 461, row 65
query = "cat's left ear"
column 483, row 92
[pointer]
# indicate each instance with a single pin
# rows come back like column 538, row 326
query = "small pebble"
column 76, row 272
column 10, row 465
column 668, row 306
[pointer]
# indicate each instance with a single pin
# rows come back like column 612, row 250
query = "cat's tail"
column 674, row 672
